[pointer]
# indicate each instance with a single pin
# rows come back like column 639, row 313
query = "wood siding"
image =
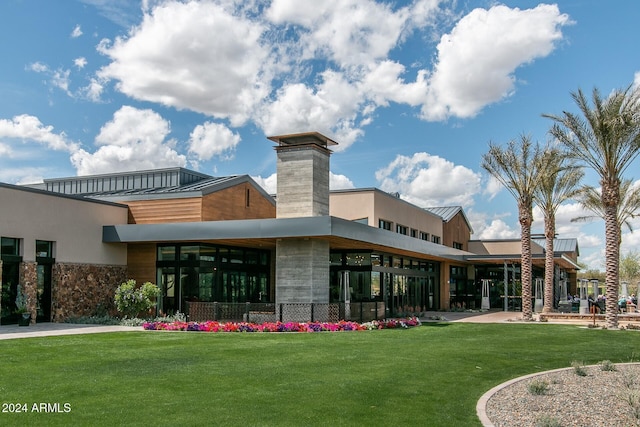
column 166, row 210
column 456, row 230
column 141, row 259
column 231, row 203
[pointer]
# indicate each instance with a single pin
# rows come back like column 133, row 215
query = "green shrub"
column 579, row 369
column 548, row 421
column 132, row 300
column 538, row 387
column 607, row 365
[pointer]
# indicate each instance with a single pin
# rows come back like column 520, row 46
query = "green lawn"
column 432, row 375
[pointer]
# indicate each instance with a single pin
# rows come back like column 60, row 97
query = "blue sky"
column 412, row 91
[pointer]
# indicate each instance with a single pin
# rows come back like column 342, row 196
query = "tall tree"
column 630, row 268
column 591, row 199
column 558, row 185
column 519, row 168
column 606, row 138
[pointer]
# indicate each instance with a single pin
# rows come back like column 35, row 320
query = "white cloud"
column 38, row 67
column 134, row 140
column 339, row 182
column 93, row 91
column 477, row 60
column 427, row 180
column 80, row 62
column 194, row 55
column 323, row 66
column 348, row 32
column 5, row 150
column 564, row 216
column 60, row 79
column 336, row 182
column 636, row 79
column 30, row 128
column 330, row 109
column 77, row 31
column 270, row 183
column 212, row 139
column 497, row 229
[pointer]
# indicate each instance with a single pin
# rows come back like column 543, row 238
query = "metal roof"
column 447, row 213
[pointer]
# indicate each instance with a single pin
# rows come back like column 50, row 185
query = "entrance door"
column 170, row 301
column 10, row 278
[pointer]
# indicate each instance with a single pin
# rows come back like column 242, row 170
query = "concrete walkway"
column 492, row 316
column 49, row 329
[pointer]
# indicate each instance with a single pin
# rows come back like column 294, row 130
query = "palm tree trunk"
column 612, row 257
column 549, row 267
column 525, row 267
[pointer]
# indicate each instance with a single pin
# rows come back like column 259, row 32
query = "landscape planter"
column 24, row 320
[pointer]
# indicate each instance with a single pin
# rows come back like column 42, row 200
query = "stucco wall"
column 74, row 225
column 375, row 205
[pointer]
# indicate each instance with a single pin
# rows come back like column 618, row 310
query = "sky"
column 412, row 91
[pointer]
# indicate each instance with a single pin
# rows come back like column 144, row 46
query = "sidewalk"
column 492, row 316
column 50, row 329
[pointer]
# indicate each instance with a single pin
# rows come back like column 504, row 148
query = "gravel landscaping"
column 598, row 397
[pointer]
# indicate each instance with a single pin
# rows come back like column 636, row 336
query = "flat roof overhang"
column 264, row 233
column 537, row 260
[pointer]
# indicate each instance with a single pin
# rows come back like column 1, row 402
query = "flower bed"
column 212, row 326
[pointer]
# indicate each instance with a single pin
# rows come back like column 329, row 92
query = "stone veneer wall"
column 29, row 281
column 84, row 290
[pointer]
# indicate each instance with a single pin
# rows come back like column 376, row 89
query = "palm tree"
column 519, row 168
column 558, row 185
column 591, row 199
column 606, row 138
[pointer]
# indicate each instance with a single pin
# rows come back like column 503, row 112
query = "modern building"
column 216, row 245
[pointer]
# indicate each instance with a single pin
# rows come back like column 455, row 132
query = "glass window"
column 385, row 225
column 166, row 253
column 236, row 256
column 10, row 246
column 397, row 262
column 357, row 259
column 424, row 236
column 251, row 257
column 376, row 260
column 207, row 253
column 189, row 253
column 401, row 229
column 44, row 249
column 335, row 258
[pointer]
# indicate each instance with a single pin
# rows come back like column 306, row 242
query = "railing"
column 285, row 312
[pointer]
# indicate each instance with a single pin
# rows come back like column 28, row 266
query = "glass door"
column 170, row 299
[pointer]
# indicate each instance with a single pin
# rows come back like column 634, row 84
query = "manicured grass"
column 430, row 375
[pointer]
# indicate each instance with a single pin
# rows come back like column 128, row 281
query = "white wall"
column 74, row 225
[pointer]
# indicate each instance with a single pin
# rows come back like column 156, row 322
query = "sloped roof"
column 148, row 185
column 561, row 245
column 448, row 212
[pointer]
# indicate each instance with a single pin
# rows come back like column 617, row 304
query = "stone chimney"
column 302, row 264
column 303, row 174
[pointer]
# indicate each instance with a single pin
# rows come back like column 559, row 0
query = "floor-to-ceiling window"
column 209, row 273
column 404, row 285
column 45, row 261
column 10, row 255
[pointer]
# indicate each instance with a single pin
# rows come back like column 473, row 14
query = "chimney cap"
column 303, row 139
